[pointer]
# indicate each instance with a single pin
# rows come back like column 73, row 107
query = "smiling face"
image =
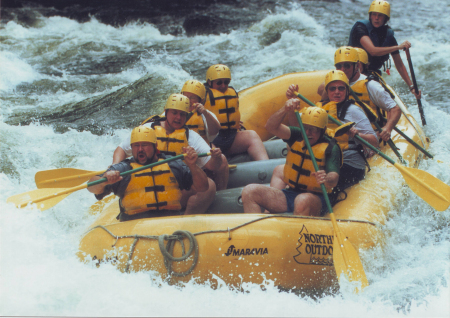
column 337, row 91
column 377, row 19
column 143, row 152
column 175, row 119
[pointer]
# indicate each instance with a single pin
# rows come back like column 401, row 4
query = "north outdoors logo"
column 314, row 249
column 232, row 250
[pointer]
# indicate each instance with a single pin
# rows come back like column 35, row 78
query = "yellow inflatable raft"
column 233, row 248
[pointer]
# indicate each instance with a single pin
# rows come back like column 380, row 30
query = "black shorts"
column 225, row 139
column 291, row 194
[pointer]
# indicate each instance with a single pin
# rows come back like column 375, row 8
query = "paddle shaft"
column 413, row 76
column 401, row 133
column 412, row 142
column 338, row 234
column 70, row 178
column 389, row 142
column 85, row 185
column 89, row 184
column 337, row 122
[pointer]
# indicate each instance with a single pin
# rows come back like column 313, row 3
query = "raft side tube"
column 275, row 149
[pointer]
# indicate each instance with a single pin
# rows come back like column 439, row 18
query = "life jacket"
column 151, row 189
column 343, row 141
column 332, row 110
column 196, row 123
column 171, row 144
column 299, row 166
column 360, row 89
column 376, row 62
column 225, row 106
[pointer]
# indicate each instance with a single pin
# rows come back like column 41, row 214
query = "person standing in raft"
column 377, row 39
column 368, row 89
column 223, row 101
column 159, row 191
column 344, row 109
column 304, row 195
column 173, row 135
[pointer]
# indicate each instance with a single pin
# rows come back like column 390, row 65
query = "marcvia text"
column 232, row 250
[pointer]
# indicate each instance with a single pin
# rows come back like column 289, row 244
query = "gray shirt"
column 362, row 123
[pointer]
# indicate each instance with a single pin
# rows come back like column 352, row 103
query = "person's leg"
column 221, row 175
column 198, row 202
column 248, row 140
column 277, row 180
column 307, row 204
column 255, row 196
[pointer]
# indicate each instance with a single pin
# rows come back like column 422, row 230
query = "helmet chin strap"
column 354, row 71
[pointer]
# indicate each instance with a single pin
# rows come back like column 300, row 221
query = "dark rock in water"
column 171, row 17
column 201, row 24
column 124, row 108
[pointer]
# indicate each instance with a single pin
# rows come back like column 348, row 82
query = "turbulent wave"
column 72, row 86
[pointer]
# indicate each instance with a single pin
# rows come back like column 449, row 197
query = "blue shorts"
column 291, row 194
column 225, row 139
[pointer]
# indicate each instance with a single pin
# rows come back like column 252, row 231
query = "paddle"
column 419, row 103
column 401, row 133
column 432, row 190
column 63, row 177
column 69, row 177
column 412, row 142
column 345, row 258
column 389, row 142
column 49, row 198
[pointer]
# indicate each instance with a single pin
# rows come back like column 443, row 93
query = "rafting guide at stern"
column 377, row 38
column 157, row 191
column 304, row 195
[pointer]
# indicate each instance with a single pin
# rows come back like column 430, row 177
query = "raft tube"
column 234, row 248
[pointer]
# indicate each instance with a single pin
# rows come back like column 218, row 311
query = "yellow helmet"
column 346, row 54
column 143, row 134
column 178, row 101
column 362, row 56
column 315, row 116
column 381, row 6
column 336, row 75
column 194, row 87
column 218, row 71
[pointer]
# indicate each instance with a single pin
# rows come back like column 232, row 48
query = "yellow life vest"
column 151, row 189
column 360, row 88
column 171, row 144
column 197, row 124
column 299, row 166
column 225, row 106
column 331, row 108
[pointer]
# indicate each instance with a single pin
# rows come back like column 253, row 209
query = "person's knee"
column 307, row 204
column 248, row 192
column 279, row 171
column 224, row 165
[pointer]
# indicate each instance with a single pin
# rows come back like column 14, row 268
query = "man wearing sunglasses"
column 338, row 105
column 368, row 89
column 223, row 101
column 377, row 38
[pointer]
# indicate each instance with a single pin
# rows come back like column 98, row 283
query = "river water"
column 71, row 90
